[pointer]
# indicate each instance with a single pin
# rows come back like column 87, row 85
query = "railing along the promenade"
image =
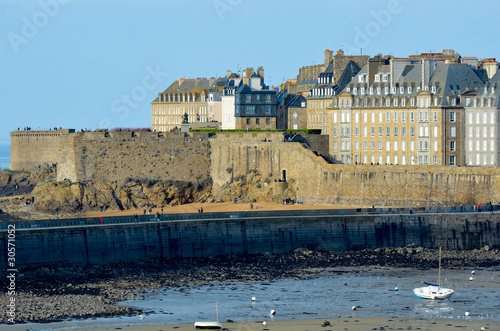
column 130, row 219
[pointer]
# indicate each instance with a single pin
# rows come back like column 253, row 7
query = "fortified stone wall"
column 120, row 155
column 316, row 181
column 104, row 244
column 31, row 150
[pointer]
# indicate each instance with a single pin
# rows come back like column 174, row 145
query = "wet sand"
column 351, row 324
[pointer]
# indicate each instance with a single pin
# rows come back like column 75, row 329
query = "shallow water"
column 331, row 295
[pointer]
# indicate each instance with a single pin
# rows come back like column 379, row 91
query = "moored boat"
column 433, row 291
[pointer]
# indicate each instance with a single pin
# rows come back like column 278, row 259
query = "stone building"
column 297, row 113
column 407, row 112
column 182, row 96
column 482, row 110
column 255, row 108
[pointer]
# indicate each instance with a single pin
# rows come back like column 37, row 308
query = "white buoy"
column 354, row 307
column 473, row 272
column 471, row 278
column 396, row 288
column 253, row 299
column 264, row 323
column 467, row 314
column 273, row 312
column 141, row 317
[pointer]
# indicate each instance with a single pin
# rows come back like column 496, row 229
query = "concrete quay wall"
column 103, row 244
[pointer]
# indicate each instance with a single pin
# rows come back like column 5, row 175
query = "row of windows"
column 394, row 90
column 423, row 131
column 257, row 121
column 253, row 97
column 481, row 145
column 387, row 117
column 479, row 130
column 480, row 118
column 481, row 159
column 394, row 159
column 180, row 110
column 394, row 146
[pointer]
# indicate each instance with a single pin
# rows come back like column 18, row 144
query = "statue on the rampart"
column 185, row 119
column 185, row 124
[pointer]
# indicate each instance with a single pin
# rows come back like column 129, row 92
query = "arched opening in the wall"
column 283, row 175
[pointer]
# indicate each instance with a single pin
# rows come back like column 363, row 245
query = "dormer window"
column 361, row 78
column 386, row 90
column 402, row 90
column 362, row 90
column 355, row 90
column 384, row 78
column 348, row 89
column 409, row 89
column 433, row 89
column 377, row 78
column 379, row 90
column 371, row 90
column 393, row 90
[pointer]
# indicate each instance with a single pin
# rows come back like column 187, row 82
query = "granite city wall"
column 103, row 244
column 316, row 181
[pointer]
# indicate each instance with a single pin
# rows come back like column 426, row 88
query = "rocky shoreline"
column 54, row 293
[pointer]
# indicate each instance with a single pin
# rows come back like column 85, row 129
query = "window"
column 435, row 131
column 295, row 115
column 402, row 90
column 380, row 146
column 412, row 131
column 453, row 131
column 452, row 116
column 268, row 97
column 388, row 117
column 250, row 110
column 248, row 98
column 372, row 146
column 403, row 102
column 395, row 131
column 395, row 117
column 388, row 146
column 356, row 131
column 395, row 102
column 412, row 102
column 257, row 121
column 380, row 131
column 435, row 116
column 388, row 131
column 409, row 89
column 372, row 131
column 365, row 131
column 452, row 159
column 395, row 146
column 386, row 90
column 403, row 131
column 268, row 109
column 377, row 78
column 268, row 121
column 365, row 145
column 384, row 78
column 403, row 117
column 334, row 132
column 248, row 121
column 412, row 117
column 452, row 145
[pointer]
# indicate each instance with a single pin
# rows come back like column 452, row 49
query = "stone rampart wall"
column 31, row 150
column 104, row 244
column 316, row 181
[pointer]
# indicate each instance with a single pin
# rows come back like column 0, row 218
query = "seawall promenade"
column 87, row 241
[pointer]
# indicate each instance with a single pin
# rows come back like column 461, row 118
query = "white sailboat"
column 433, row 291
column 209, row 325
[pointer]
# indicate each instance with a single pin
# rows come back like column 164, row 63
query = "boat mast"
column 217, row 311
column 439, row 279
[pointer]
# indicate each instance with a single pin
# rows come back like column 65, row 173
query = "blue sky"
column 100, row 63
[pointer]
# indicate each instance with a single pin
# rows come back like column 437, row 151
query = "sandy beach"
column 350, row 324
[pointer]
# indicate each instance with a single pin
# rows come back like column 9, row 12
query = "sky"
column 100, row 63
